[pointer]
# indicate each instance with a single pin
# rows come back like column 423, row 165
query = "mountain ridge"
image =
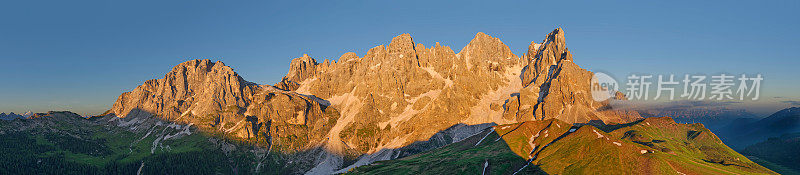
column 393, row 96
column 744, row 132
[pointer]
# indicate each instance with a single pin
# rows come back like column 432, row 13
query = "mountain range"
column 400, row 106
column 744, row 132
column 12, row 115
column 391, row 97
column 777, row 153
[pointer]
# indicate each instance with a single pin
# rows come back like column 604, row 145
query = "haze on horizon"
column 80, row 56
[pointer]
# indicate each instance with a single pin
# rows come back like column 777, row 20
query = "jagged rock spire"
column 545, row 56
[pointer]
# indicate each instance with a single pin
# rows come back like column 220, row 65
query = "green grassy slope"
column 63, row 144
column 457, row 158
column 650, row 146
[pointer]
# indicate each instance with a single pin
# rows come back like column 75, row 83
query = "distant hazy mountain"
column 781, row 154
column 744, row 132
column 714, row 118
column 10, row 116
column 27, row 114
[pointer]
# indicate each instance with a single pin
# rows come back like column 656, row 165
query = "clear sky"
column 79, row 56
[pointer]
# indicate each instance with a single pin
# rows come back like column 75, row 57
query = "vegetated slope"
column 649, row 146
column 462, row 157
column 66, row 143
column 778, row 153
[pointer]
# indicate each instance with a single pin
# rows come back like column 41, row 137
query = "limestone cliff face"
column 388, row 95
column 405, row 92
column 555, row 87
column 197, row 87
column 395, row 95
column 212, row 96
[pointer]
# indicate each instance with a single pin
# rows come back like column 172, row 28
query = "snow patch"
column 482, row 113
column 138, row 172
column 484, row 137
column 531, row 143
column 598, row 134
column 384, row 154
column 185, row 131
column 377, row 65
column 232, row 128
column 349, row 105
column 485, row 164
column 436, row 75
column 304, row 87
column 186, row 112
column 330, row 163
column 409, row 111
column 617, row 143
column 128, row 123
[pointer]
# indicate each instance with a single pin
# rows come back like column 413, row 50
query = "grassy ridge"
column 457, row 158
column 650, row 146
column 77, row 146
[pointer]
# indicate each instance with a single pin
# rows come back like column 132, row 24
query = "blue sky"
column 79, row 56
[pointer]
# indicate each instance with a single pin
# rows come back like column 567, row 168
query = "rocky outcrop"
column 197, row 87
column 212, row 96
column 555, row 87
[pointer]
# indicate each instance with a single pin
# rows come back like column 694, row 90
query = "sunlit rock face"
column 395, row 95
column 212, row 96
column 196, row 87
column 405, row 92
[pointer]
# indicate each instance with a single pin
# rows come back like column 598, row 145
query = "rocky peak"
column 533, row 48
column 27, row 114
column 349, row 56
column 556, row 87
column 485, row 50
column 199, row 86
column 401, row 53
column 545, row 57
column 401, row 42
column 299, row 69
